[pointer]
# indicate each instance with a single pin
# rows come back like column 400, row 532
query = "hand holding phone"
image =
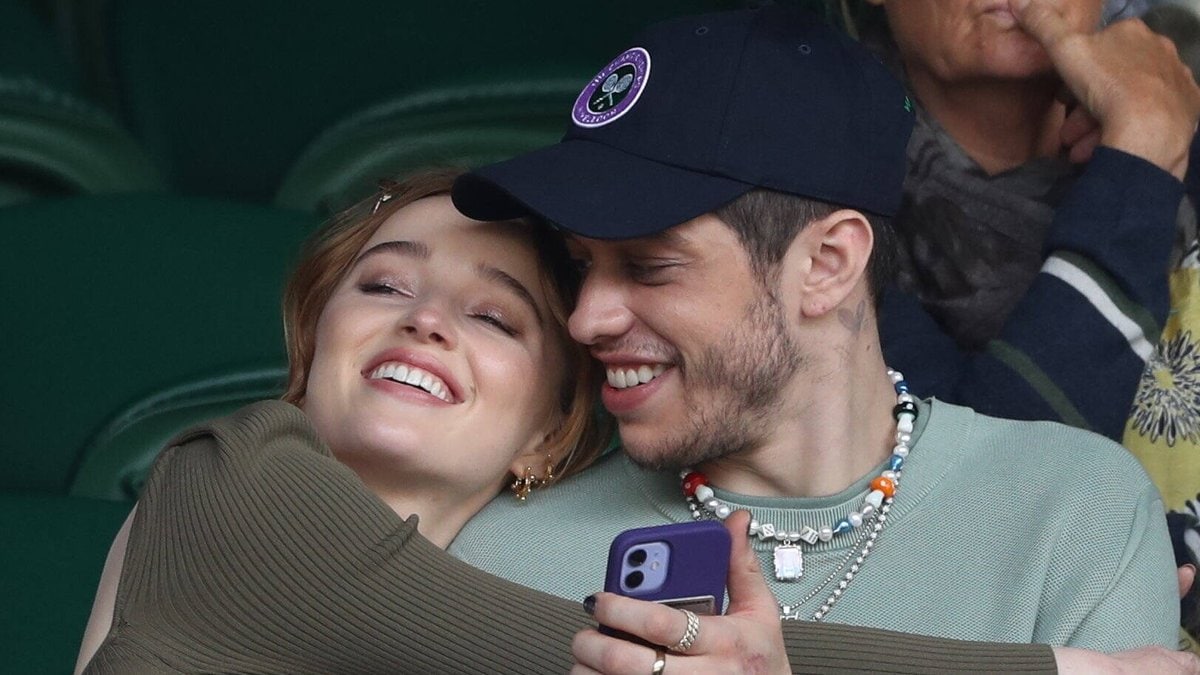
column 750, row 632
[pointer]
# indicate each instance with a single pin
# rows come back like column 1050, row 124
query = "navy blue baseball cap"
column 702, row 110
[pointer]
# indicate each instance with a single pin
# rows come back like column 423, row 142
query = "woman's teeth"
column 411, row 375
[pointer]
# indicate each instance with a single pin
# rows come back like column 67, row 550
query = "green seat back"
column 225, row 94
column 453, row 126
column 109, row 299
column 115, row 463
column 52, row 555
column 52, row 140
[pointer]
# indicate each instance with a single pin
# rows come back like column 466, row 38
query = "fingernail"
column 589, row 604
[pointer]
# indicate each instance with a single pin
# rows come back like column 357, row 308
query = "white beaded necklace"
column 869, row 520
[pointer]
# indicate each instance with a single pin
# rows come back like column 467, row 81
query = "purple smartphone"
column 682, row 565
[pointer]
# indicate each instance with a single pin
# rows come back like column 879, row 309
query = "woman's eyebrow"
column 412, row 249
column 499, row 276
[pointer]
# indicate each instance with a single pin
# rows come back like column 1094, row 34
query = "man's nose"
column 601, row 312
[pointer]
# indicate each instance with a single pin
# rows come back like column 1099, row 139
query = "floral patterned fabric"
column 1164, row 425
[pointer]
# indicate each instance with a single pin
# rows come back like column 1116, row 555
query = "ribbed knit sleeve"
column 253, row 550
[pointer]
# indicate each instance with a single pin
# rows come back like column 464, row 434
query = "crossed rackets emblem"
column 612, row 86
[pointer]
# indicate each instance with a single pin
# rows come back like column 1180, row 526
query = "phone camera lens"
column 637, row 557
column 634, row 579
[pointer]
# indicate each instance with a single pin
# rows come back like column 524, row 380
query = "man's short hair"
column 767, row 222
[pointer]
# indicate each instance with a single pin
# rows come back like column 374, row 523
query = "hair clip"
column 386, row 186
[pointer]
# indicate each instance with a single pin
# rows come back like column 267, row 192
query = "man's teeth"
column 411, row 375
column 623, row 378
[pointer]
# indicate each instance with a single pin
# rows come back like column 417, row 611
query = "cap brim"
column 593, row 190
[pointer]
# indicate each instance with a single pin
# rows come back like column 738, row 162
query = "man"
column 726, row 184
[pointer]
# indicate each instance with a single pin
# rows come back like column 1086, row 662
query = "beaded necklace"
column 868, row 520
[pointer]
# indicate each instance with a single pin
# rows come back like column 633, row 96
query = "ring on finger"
column 689, row 635
column 660, row 662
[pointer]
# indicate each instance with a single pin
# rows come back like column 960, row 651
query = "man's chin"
column 648, row 452
column 668, row 454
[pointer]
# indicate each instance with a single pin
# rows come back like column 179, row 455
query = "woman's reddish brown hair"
column 329, row 254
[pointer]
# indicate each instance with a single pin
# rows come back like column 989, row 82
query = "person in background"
column 1026, row 115
column 1005, row 181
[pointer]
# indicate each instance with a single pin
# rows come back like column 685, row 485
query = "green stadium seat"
column 115, row 463
column 226, row 94
column 112, row 299
column 53, row 141
column 52, row 555
column 453, row 126
column 462, row 126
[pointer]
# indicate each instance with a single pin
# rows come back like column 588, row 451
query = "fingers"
column 650, row 621
column 1042, row 21
column 1158, row 660
column 1078, row 124
column 1080, row 134
column 1187, row 576
column 595, row 652
column 1081, row 152
column 748, row 591
column 1187, row 662
column 1127, row 78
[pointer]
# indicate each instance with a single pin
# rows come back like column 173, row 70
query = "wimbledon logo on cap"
column 614, row 90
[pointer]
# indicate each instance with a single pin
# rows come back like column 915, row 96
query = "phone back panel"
column 696, row 570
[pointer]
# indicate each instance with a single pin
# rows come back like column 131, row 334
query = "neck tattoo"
column 866, row 523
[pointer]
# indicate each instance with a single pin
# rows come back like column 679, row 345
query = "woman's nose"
column 429, row 323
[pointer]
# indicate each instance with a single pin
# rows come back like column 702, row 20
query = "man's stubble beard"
column 730, row 392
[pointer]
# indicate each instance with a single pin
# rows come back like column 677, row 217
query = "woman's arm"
column 254, row 549
column 101, row 618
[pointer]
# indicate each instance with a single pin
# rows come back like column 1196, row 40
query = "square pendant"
column 789, row 562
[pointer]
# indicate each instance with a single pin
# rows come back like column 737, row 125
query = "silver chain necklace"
column 868, row 521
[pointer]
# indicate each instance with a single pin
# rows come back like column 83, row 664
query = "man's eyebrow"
column 497, row 275
column 667, row 237
column 413, row 249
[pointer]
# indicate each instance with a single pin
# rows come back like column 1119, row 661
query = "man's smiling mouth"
column 624, row 378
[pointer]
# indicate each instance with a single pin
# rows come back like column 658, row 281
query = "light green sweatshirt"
column 1001, row 530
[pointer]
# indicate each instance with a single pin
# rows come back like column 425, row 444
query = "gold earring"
column 528, row 482
column 522, row 486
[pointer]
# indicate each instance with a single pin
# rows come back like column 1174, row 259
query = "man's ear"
column 828, row 260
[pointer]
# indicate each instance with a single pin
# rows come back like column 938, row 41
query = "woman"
column 275, row 540
column 428, row 357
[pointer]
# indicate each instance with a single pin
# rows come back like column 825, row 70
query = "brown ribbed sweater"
column 254, row 551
